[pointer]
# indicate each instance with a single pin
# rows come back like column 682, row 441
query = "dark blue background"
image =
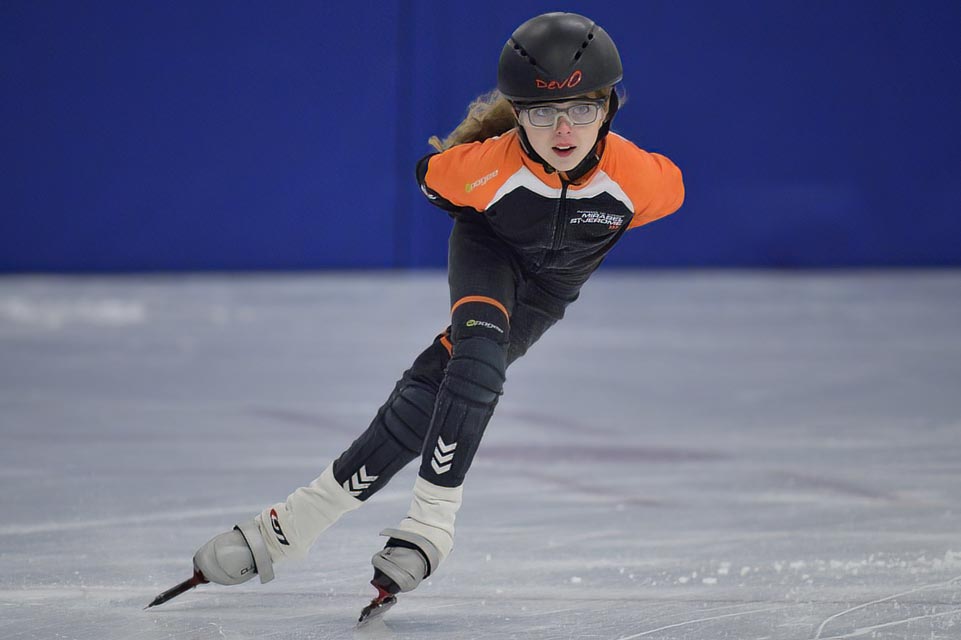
column 242, row 135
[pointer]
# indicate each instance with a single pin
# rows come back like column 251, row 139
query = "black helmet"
column 555, row 56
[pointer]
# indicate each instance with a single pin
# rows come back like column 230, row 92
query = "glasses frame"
column 599, row 103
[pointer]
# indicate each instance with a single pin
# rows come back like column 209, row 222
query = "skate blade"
column 195, row 580
column 375, row 610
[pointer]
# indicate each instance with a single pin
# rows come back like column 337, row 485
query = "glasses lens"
column 581, row 113
column 542, row 116
column 585, row 113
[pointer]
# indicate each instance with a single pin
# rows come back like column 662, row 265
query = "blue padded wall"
column 243, row 136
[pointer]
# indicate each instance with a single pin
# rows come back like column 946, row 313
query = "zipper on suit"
column 559, row 217
column 557, row 228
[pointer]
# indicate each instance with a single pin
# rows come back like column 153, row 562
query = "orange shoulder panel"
column 652, row 182
column 468, row 175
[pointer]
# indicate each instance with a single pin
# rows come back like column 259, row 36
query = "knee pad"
column 480, row 332
column 393, row 439
column 476, row 371
column 405, row 416
column 396, row 435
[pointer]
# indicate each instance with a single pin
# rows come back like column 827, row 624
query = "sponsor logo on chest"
column 612, row 220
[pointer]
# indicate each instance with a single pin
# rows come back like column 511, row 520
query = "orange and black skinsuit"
column 525, row 238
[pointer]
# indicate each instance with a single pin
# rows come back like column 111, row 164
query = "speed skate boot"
column 404, row 562
column 235, row 556
column 402, row 565
column 416, row 548
column 229, row 558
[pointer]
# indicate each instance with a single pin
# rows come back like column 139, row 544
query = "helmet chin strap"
column 612, row 107
column 590, row 160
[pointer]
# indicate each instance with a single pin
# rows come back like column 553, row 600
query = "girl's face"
column 563, row 133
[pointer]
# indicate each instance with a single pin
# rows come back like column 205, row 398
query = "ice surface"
column 688, row 455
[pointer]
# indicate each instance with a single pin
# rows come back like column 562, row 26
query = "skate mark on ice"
column 699, row 620
column 554, row 422
column 37, row 631
column 656, row 616
column 434, row 607
column 323, row 422
column 569, row 484
column 865, row 630
column 833, row 485
column 163, row 516
column 582, row 454
column 20, row 596
column 534, row 614
column 938, row 585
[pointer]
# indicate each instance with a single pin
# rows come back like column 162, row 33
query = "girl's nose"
column 563, row 125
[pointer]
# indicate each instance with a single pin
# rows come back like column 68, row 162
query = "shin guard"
column 465, row 403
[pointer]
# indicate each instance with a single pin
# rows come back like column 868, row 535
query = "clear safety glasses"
column 579, row 113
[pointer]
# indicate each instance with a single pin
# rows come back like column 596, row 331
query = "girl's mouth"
column 563, row 151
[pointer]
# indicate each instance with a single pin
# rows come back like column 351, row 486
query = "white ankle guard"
column 290, row 528
column 431, row 516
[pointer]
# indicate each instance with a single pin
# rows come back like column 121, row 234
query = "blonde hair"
column 489, row 115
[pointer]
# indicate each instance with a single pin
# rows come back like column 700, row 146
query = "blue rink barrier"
column 243, row 136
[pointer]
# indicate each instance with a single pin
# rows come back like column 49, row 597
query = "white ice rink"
column 689, row 455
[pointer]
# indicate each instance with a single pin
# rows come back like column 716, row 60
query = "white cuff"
column 432, row 513
column 290, row 528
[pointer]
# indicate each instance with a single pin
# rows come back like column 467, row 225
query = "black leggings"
column 441, row 406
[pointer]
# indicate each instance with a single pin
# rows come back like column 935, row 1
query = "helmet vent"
column 577, row 56
column 520, row 50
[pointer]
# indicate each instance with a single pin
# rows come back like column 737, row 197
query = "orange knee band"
column 485, row 300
